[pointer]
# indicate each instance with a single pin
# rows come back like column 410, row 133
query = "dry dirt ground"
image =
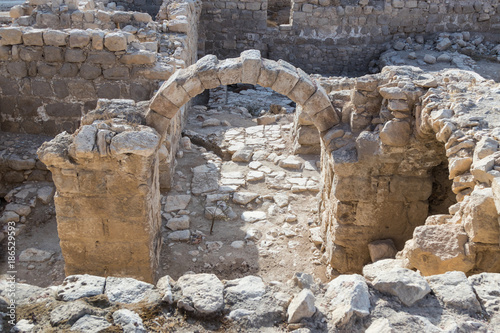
column 270, row 247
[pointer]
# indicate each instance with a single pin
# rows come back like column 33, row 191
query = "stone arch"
column 250, row 67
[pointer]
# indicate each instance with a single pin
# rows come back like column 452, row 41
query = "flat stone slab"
column 77, row 286
column 253, row 216
column 35, row 255
column 177, row 202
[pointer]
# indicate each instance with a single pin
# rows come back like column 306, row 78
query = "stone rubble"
column 348, row 302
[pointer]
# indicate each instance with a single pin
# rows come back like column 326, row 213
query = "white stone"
column 129, row 321
column 291, row 162
column 380, row 325
column 178, row 223
column 244, row 288
column 302, row 306
column 370, row 271
column 243, row 198
column 281, row 199
column 316, row 235
column 487, row 287
column 201, row 292
column 243, row 155
column 349, row 297
column 253, row 176
column 126, row 290
column 253, row 216
column 90, row 324
column 238, row 244
column 164, row 285
column 77, row 286
column 403, row 283
column 23, row 326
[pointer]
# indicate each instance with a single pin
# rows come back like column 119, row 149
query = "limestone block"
column 454, row 291
column 395, row 133
column 268, row 73
column 140, row 57
column 458, row 166
column 392, row 93
column 348, row 297
column 10, row 36
column 326, row 119
column 33, row 37
column 436, row 249
column 202, row 293
column 206, row 69
column 77, row 286
column 482, row 170
column 403, row 283
column 97, row 40
column 251, row 66
column 302, row 306
column 485, row 147
column 142, row 17
column 318, row 102
column 304, row 88
column 157, row 121
column 366, row 83
column 486, row 286
column 398, row 105
column 382, row 249
column 84, row 143
column 174, row 92
column 54, row 37
column 79, row 38
column 287, row 78
column 230, row 71
column 178, row 25
column 480, row 217
column 115, row 41
column 143, row 143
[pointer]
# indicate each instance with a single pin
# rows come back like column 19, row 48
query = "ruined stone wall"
column 339, row 37
column 50, row 77
column 108, row 196
column 382, row 172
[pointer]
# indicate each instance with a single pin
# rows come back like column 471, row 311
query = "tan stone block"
column 11, row 36
column 206, row 69
column 325, row 119
column 54, row 38
column 141, row 57
column 268, row 73
column 392, row 93
column 174, row 92
column 304, row 88
column 252, row 63
column 317, row 102
column 33, row 37
column 163, row 106
column 189, row 81
column 230, row 71
column 398, row 105
column 64, row 184
column 480, row 217
column 287, row 78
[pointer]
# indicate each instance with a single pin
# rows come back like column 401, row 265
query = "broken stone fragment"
column 177, row 202
column 126, row 290
column 202, row 293
column 395, row 133
column 480, row 217
column 253, row 216
column 302, row 306
column 78, row 286
column 243, row 155
column 348, row 297
column 244, row 198
column 178, row 223
column 403, row 283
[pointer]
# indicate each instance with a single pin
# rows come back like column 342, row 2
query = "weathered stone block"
column 230, row 71
column 163, row 106
column 33, row 37
column 53, row 54
column 115, row 41
column 116, row 73
column 139, row 58
column 189, row 81
column 252, row 62
column 317, row 102
column 286, row 80
column 90, row 72
column 304, row 88
column 174, row 92
column 54, row 37
column 268, row 73
column 75, row 55
column 10, row 36
column 102, row 58
column 480, row 216
column 5, row 52
column 158, row 122
column 81, row 89
column 17, row 68
column 395, row 133
column 30, row 53
column 206, row 69
column 326, row 119
column 79, row 38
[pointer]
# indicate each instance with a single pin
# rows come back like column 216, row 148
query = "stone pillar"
column 108, row 198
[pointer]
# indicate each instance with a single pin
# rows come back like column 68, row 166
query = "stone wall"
column 336, row 37
column 382, row 173
column 50, row 77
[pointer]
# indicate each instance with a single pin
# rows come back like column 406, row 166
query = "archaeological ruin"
column 250, row 166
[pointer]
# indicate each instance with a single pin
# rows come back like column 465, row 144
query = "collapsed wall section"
column 382, row 172
column 335, row 36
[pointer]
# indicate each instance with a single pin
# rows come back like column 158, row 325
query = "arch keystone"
column 206, row 68
column 287, row 78
column 252, row 63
